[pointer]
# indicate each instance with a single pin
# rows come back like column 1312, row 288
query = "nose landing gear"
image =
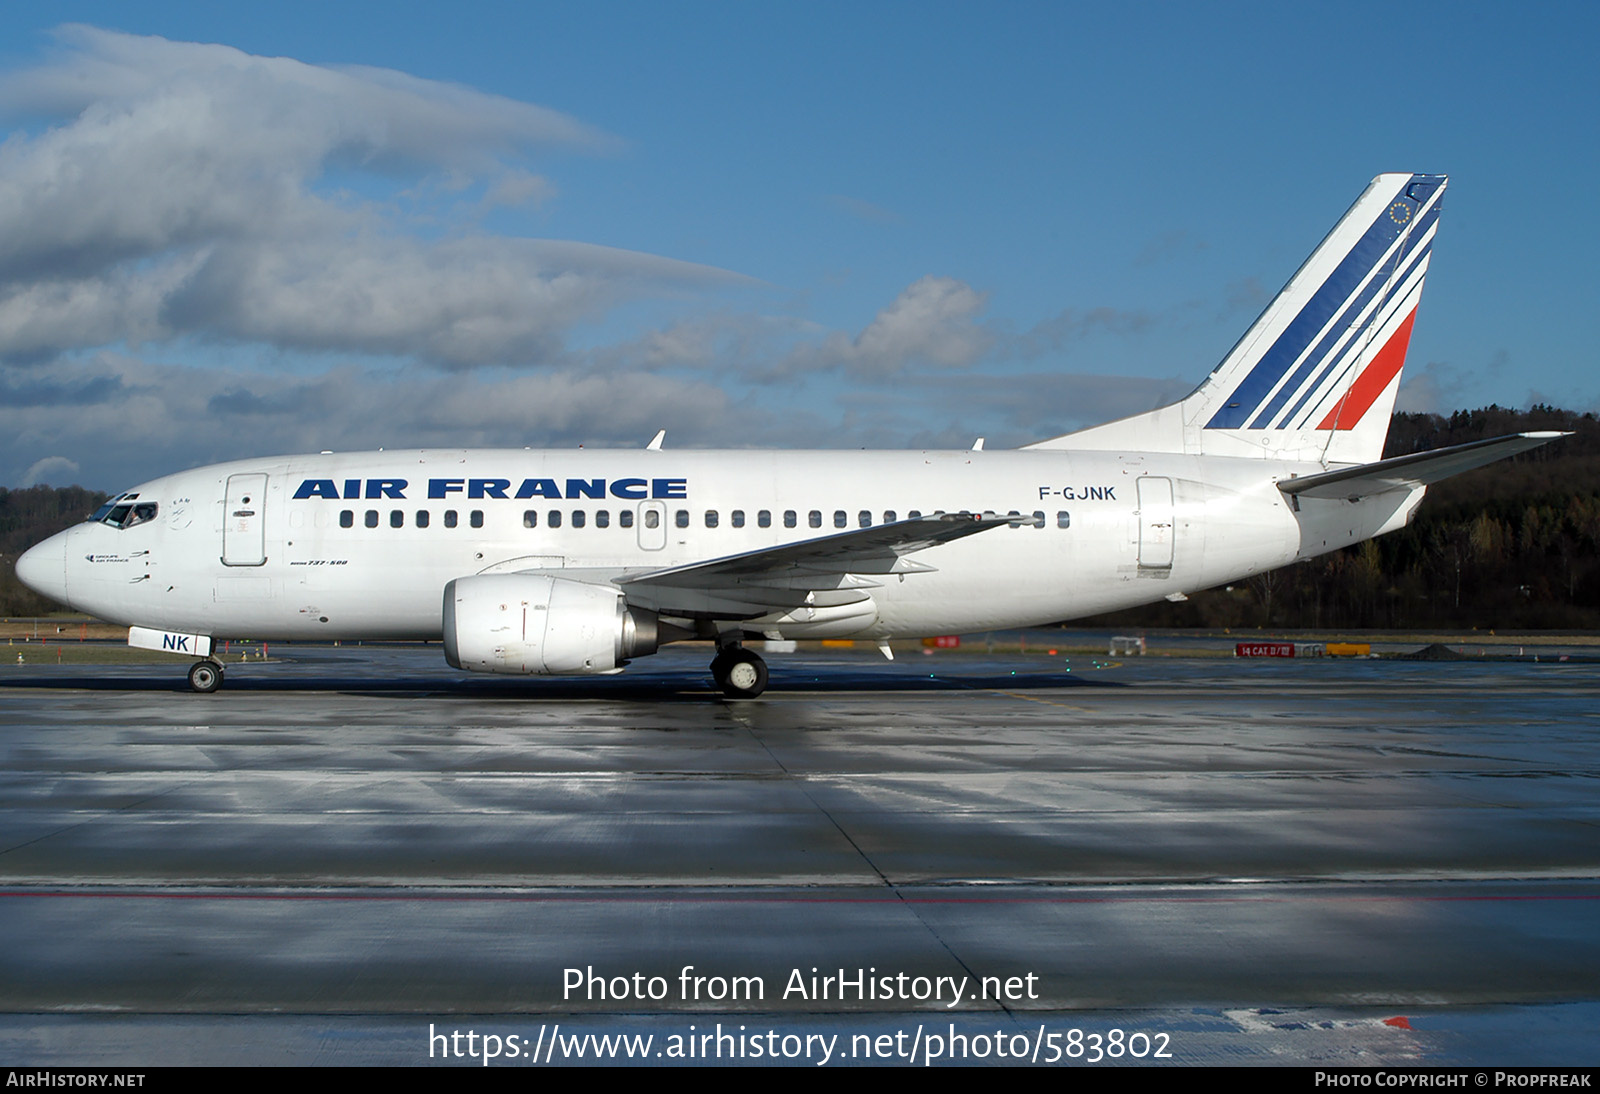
column 740, row 673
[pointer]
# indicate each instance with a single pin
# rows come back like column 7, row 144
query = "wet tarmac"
column 1318, row 861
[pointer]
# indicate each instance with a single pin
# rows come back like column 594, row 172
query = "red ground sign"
column 1264, row 649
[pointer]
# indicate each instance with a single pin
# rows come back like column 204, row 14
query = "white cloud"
column 124, row 419
column 361, row 110
column 56, row 470
column 1053, row 335
column 863, row 210
column 518, row 188
column 479, row 301
column 183, row 192
column 937, row 324
column 934, row 321
column 40, row 318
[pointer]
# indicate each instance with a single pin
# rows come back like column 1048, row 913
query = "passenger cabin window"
column 764, row 518
column 477, row 518
column 1063, row 519
column 652, row 519
column 371, row 519
column 422, row 518
column 625, row 519
column 1038, row 518
column 864, row 518
column 347, row 519
column 580, row 517
column 530, row 518
column 915, row 514
column 397, row 519
column 681, row 518
column 814, row 518
column 711, row 518
column 840, row 518
column 450, row 518
column 888, row 516
column 602, row 518
column 736, row 518
column 789, row 518
column 555, row 518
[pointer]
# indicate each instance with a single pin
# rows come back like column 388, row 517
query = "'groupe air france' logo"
column 1400, row 212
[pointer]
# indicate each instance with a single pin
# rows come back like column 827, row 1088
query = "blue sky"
column 343, row 226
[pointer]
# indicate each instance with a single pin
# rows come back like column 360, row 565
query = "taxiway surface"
column 1268, row 858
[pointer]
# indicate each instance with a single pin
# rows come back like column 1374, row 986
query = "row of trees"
column 1512, row 545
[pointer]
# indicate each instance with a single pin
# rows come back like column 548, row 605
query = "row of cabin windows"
column 791, row 519
column 652, row 518
column 397, row 518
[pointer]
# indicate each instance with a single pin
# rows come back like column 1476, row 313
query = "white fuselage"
column 335, row 546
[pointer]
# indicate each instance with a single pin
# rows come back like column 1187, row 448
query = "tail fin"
column 1315, row 377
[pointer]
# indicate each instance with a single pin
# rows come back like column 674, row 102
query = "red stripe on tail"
column 1347, row 412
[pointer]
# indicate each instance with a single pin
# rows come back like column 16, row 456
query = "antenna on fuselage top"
column 655, row 442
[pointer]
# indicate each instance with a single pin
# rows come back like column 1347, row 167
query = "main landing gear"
column 205, row 676
column 739, row 673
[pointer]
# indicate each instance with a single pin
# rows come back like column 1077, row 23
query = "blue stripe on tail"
column 1332, row 296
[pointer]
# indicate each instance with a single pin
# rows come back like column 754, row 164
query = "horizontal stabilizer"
column 1417, row 469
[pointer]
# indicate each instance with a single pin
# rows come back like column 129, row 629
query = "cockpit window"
column 125, row 512
column 101, row 513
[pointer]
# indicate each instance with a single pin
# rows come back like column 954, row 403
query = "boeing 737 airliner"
column 545, row 562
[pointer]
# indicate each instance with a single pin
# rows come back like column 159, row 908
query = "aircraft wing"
column 829, row 570
column 1417, row 469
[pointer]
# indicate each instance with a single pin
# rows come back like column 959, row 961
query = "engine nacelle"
column 533, row 623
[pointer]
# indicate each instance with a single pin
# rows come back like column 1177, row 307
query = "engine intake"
column 537, row 624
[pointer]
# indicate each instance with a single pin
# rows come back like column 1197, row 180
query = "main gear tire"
column 739, row 673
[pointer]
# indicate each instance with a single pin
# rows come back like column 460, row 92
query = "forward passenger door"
column 244, row 526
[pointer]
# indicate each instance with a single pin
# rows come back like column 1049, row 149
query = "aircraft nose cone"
column 44, row 568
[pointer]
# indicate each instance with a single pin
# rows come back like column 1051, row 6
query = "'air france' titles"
column 376, row 489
